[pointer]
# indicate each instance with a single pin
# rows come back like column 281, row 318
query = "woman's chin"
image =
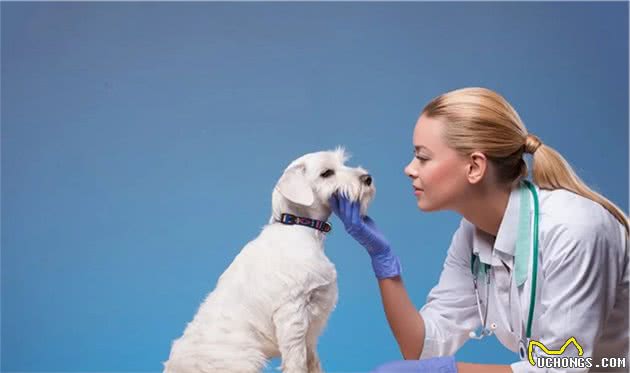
column 424, row 206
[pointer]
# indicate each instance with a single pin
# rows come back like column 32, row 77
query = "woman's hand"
column 436, row 364
column 365, row 232
column 361, row 228
column 439, row 364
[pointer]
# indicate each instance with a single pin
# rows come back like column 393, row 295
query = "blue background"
column 141, row 141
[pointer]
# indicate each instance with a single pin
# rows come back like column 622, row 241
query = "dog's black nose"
column 366, row 179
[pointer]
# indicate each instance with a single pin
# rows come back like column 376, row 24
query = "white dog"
column 276, row 296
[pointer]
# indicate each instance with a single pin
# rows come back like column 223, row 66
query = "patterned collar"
column 289, row 219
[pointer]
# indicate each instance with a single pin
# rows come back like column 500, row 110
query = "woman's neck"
column 485, row 207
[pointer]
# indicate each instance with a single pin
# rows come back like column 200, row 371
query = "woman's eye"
column 327, row 173
column 421, row 159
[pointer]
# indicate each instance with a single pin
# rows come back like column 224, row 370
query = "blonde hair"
column 478, row 119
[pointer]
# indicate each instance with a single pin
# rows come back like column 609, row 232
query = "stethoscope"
column 486, row 269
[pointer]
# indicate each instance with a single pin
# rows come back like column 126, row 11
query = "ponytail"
column 551, row 171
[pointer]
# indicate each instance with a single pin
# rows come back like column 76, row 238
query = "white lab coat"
column 582, row 287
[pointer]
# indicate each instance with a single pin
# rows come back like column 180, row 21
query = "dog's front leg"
column 291, row 322
column 312, row 359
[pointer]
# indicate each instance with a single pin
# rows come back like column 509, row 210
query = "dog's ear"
column 294, row 186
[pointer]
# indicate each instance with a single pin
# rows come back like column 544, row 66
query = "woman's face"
column 437, row 172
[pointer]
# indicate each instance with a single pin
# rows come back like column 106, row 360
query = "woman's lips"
column 417, row 191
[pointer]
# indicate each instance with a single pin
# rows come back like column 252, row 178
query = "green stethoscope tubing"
column 532, row 298
column 534, row 278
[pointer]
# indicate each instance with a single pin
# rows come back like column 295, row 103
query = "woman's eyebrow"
column 419, row 147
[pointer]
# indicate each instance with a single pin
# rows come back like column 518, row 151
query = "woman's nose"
column 410, row 171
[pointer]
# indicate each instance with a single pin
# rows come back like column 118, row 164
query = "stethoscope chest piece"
column 522, row 349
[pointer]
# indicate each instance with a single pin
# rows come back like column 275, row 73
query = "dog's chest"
column 321, row 301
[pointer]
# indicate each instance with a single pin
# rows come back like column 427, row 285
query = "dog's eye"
column 327, row 173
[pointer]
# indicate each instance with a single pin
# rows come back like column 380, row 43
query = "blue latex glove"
column 363, row 229
column 436, row 364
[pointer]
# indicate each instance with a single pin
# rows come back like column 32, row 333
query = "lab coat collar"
column 505, row 240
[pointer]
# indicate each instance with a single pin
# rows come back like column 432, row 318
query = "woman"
column 554, row 241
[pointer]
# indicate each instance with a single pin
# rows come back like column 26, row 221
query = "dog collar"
column 289, row 219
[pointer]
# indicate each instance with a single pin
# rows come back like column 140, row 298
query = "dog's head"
column 308, row 182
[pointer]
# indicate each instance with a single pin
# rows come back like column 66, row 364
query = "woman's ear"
column 477, row 167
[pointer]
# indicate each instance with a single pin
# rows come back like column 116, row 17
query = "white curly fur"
column 276, row 296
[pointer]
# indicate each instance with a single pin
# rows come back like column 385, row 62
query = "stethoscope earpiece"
column 484, row 332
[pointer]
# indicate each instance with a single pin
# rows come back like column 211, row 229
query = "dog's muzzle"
column 366, row 179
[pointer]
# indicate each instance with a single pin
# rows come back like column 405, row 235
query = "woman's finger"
column 356, row 219
column 342, row 205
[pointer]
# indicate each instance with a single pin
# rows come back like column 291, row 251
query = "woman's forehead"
column 428, row 134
